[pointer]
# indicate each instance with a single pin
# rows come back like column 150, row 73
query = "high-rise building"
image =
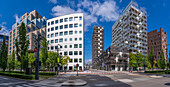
column 66, row 34
column 1, row 40
column 97, row 42
column 34, row 23
column 159, row 42
column 131, row 29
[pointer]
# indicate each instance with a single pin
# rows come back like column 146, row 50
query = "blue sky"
column 97, row 12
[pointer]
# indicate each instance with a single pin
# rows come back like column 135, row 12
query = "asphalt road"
column 103, row 80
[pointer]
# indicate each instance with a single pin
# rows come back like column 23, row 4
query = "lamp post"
column 167, row 60
column 57, row 57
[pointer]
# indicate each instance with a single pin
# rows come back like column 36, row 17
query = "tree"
column 161, row 61
column 44, row 52
column 4, row 54
column 151, row 57
column 51, row 60
column 31, row 59
column 132, row 61
column 25, row 60
column 10, row 62
column 65, row 60
column 139, row 59
column 13, row 60
column 22, row 46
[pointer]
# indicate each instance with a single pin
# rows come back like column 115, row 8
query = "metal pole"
column 37, row 60
column 144, row 62
column 57, row 60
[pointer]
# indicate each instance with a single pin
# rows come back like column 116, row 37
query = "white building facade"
column 131, row 28
column 68, row 32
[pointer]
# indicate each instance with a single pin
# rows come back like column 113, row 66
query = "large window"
column 48, row 36
column 75, row 45
column 48, row 23
column 52, row 29
column 61, row 20
column 61, row 33
column 48, row 29
column 80, row 25
column 66, row 20
column 65, row 26
column 52, row 41
column 70, row 25
column 52, row 47
column 61, row 27
column 56, row 34
column 56, row 21
column 70, row 39
column 75, row 52
column 75, row 32
column 70, row 53
column 80, row 38
column 56, row 40
column 75, row 25
column 66, row 33
column 75, row 39
column 52, row 22
column 61, row 40
column 52, row 35
column 80, row 60
column 75, row 60
column 27, row 36
column 71, row 60
column 71, row 19
column 80, row 18
column 76, row 18
column 80, row 32
column 80, row 52
column 80, row 45
column 28, row 29
column 70, row 32
column 56, row 28
column 65, row 46
column 70, row 46
column 65, row 53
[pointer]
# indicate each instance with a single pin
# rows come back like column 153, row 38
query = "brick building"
column 159, row 42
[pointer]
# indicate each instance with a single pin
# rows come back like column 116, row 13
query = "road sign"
column 35, row 49
column 77, row 65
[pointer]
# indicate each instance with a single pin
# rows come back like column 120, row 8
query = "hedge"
column 158, row 71
column 40, row 73
column 17, row 75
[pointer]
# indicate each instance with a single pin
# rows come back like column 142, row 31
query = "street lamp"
column 57, row 56
column 167, row 59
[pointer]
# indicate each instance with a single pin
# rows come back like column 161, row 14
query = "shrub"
column 46, row 73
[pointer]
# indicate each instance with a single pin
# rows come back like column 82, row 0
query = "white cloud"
column 94, row 11
column 53, row 1
column 17, row 19
column 4, row 30
column 87, row 61
column 120, row 1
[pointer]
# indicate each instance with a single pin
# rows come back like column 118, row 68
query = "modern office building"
column 159, row 42
column 97, row 42
column 1, row 40
column 34, row 23
column 67, row 33
column 131, row 29
column 113, row 59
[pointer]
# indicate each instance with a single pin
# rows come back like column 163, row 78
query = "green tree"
column 31, row 59
column 25, row 60
column 151, row 57
column 22, row 46
column 44, row 52
column 4, row 54
column 10, row 62
column 132, row 61
column 13, row 60
column 139, row 59
column 65, row 60
column 51, row 59
column 161, row 61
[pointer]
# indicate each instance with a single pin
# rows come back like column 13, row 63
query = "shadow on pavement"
column 168, row 84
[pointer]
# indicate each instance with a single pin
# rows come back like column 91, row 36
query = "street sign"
column 77, row 65
column 35, row 49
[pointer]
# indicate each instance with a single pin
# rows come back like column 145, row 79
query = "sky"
column 96, row 12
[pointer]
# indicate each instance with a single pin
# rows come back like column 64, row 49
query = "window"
column 75, row 32
column 80, row 60
column 80, row 38
column 52, row 29
column 56, row 21
column 61, row 33
column 48, row 30
column 61, row 46
column 70, row 46
column 56, row 28
column 75, row 45
column 70, row 39
column 13, row 35
column 48, row 48
column 75, row 39
column 18, row 32
column 61, row 40
column 75, row 60
column 61, row 20
column 52, row 35
column 75, row 25
column 56, row 47
column 27, row 36
column 56, row 34
column 71, row 60
column 70, row 32
column 70, row 25
column 65, row 53
column 28, row 29
column 66, row 20
column 56, row 40
column 48, row 42
column 76, row 18
column 52, row 22
column 70, row 53
column 80, row 32
column 65, row 46
column 52, row 47
column 52, row 41
column 71, row 19
column 80, row 52
column 14, row 31
column 65, row 26
column 66, row 33
column 65, row 39
column 80, row 45
column 80, row 18
column 48, row 23
column 80, row 25
column 61, row 27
